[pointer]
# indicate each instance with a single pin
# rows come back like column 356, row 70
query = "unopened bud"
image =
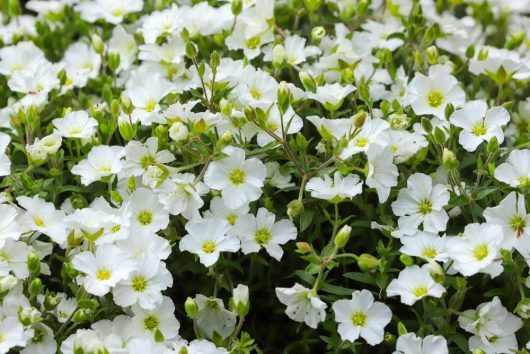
column 368, row 263
column 283, row 95
column 239, row 302
column 7, row 283
column 432, row 55
column 225, row 107
column 307, row 81
column 294, row 209
column 317, row 33
column 359, row 119
column 312, row 5
column 343, row 236
column 406, row 259
column 482, row 54
column 449, row 160
column 192, row 310
column 237, row 7
column 178, row 131
column 97, row 43
column 191, row 50
column 303, row 247
column 35, row 287
column 278, row 56
column 33, row 262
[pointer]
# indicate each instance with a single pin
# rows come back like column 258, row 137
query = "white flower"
column 76, row 124
column 81, row 62
column 405, row 144
column 239, row 180
column 139, row 156
column 147, row 213
column 14, row 258
column 512, row 216
column 19, row 57
column 414, row 283
column 382, row 173
column 207, row 238
column 477, row 250
column 144, row 285
column 425, row 245
column 102, row 161
column 198, row 346
column 5, row 163
column 104, row 269
column 9, row 228
column 147, row 96
column 421, row 203
column 220, row 210
column 84, row 341
column 431, row 94
column 12, row 334
column 361, row 316
column 43, row 217
column 292, row 124
column 411, row 344
column 261, row 231
column 180, row 194
column 516, row 170
column 373, row 131
column 178, row 131
column 331, row 95
column 337, row 189
column 479, row 124
column 303, row 305
column 213, row 317
column 123, row 44
column 276, row 178
column 42, row 341
column 111, row 11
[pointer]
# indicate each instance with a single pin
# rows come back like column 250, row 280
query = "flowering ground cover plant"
column 259, row 176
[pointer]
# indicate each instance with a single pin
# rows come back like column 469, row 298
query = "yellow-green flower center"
column 263, row 236
column 362, row 142
column 481, row 252
column 254, row 42
column 430, row 252
column 435, row 98
column 145, row 217
column 231, row 218
column 208, row 246
column 151, row 322
column 518, row 224
column 359, row 319
column 420, row 291
column 425, row 207
column 139, row 283
column 103, row 274
column 150, row 105
column 524, row 182
column 479, row 129
column 38, row 221
column 237, row 176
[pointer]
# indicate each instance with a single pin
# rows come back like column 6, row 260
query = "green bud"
column 359, row 118
column 126, row 105
column 470, row 52
column 477, row 351
column 239, row 302
column 432, row 55
column 303, row 247
column 106, row 93
column 192, row 310
column 343, row 236
column 502, row 76
column 115, row 107
column 461, row 283
column 482, row 54
column 294, row 209
column 307, row 81
column 439, row 135
column 362, row 7
column 131, row 183
column 278, row 56
column 70, row 270
column 33, row 262
column 237, row 7
column 436, row 272
column 113, row 61
column 97, row 43
column 406, row 259
column 90, row 304
column 81, row 315
column 225, row 107
column 426, row 125
column 35, row 287
column 51, row 302
column 402, row 330
column 191, row 50
column 347, row 76
column 390, row 339
column 318, row 32
column 523, row 308
column 283, row 96
column 368, row 263
column 449, row 110
column 418, row 58
column 312, row 5
column 493, row 146
column 225, row 139
column 115, row 196
column 214, row 61
column 449, row 160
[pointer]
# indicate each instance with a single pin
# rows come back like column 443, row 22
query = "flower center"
column 147, row 160
column 524, row 182
column 263, row 236
column 359, row 319
column 237, row 176
column 362, row 142
column 118, row 12
column 151, row 322
column 425, row 207
column 103, row 274
column 139, row 283
column 150, row 105
column 254, row 42
column 435, row 98
column 255, row 93
column 38, row 221
column 481, row 252
column 518, row 223
column 231, row 218
column 420, row 291
column 208, row 246
column 479, row 129
column 145, row 217
column 430, row 252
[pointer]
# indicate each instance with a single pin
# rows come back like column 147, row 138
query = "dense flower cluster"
column 261, row 176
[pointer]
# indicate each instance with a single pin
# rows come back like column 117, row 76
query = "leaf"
column 360, row 277
column 306, row 218
column 336, row 290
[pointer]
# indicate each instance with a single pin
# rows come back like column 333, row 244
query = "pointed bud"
column 359, row 119
column 432, row 55
column 278, row 56
column 239, row 302
column 97, row 43
column 35, row 287
column 237, row 7
column 294, row 209
column 312, row 5
column 343, row 236
column 33, row 262
column 368, row 263
column 283, row 96
column 303, row 247
column 449, row 160
column 307, row 81
column 191, row 50
column 406, row 259
column 192, row 310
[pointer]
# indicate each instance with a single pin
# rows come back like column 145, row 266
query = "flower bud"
column 402, row 330
column 178, row 131
column 239, row 302
column 283, row 95
column 97, row 43
column 368, row 263
column 406, row 259
column 81, row 315
column 126, row 105
column 35, row 287
column 225, row 138
column 113, row 61
column 482, row 54
column 7, row 283
column 449, row 160
column 343, row 236
column 214, row 61
column 33, row 262
column 192, row 310
column 317, row 33
column 362, row 7
column 191, row 50
column 432, row 55
column 237, row 7
column 51, row 301
column 493, row 145
column 278, row 56
column 294, row 209
column 359, row 119
column 523, row 308
column 436, row 271
column 225, row 107
column 303, row 247
column 307, row 81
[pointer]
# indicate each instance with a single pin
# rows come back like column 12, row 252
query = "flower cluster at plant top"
column 260, row 176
